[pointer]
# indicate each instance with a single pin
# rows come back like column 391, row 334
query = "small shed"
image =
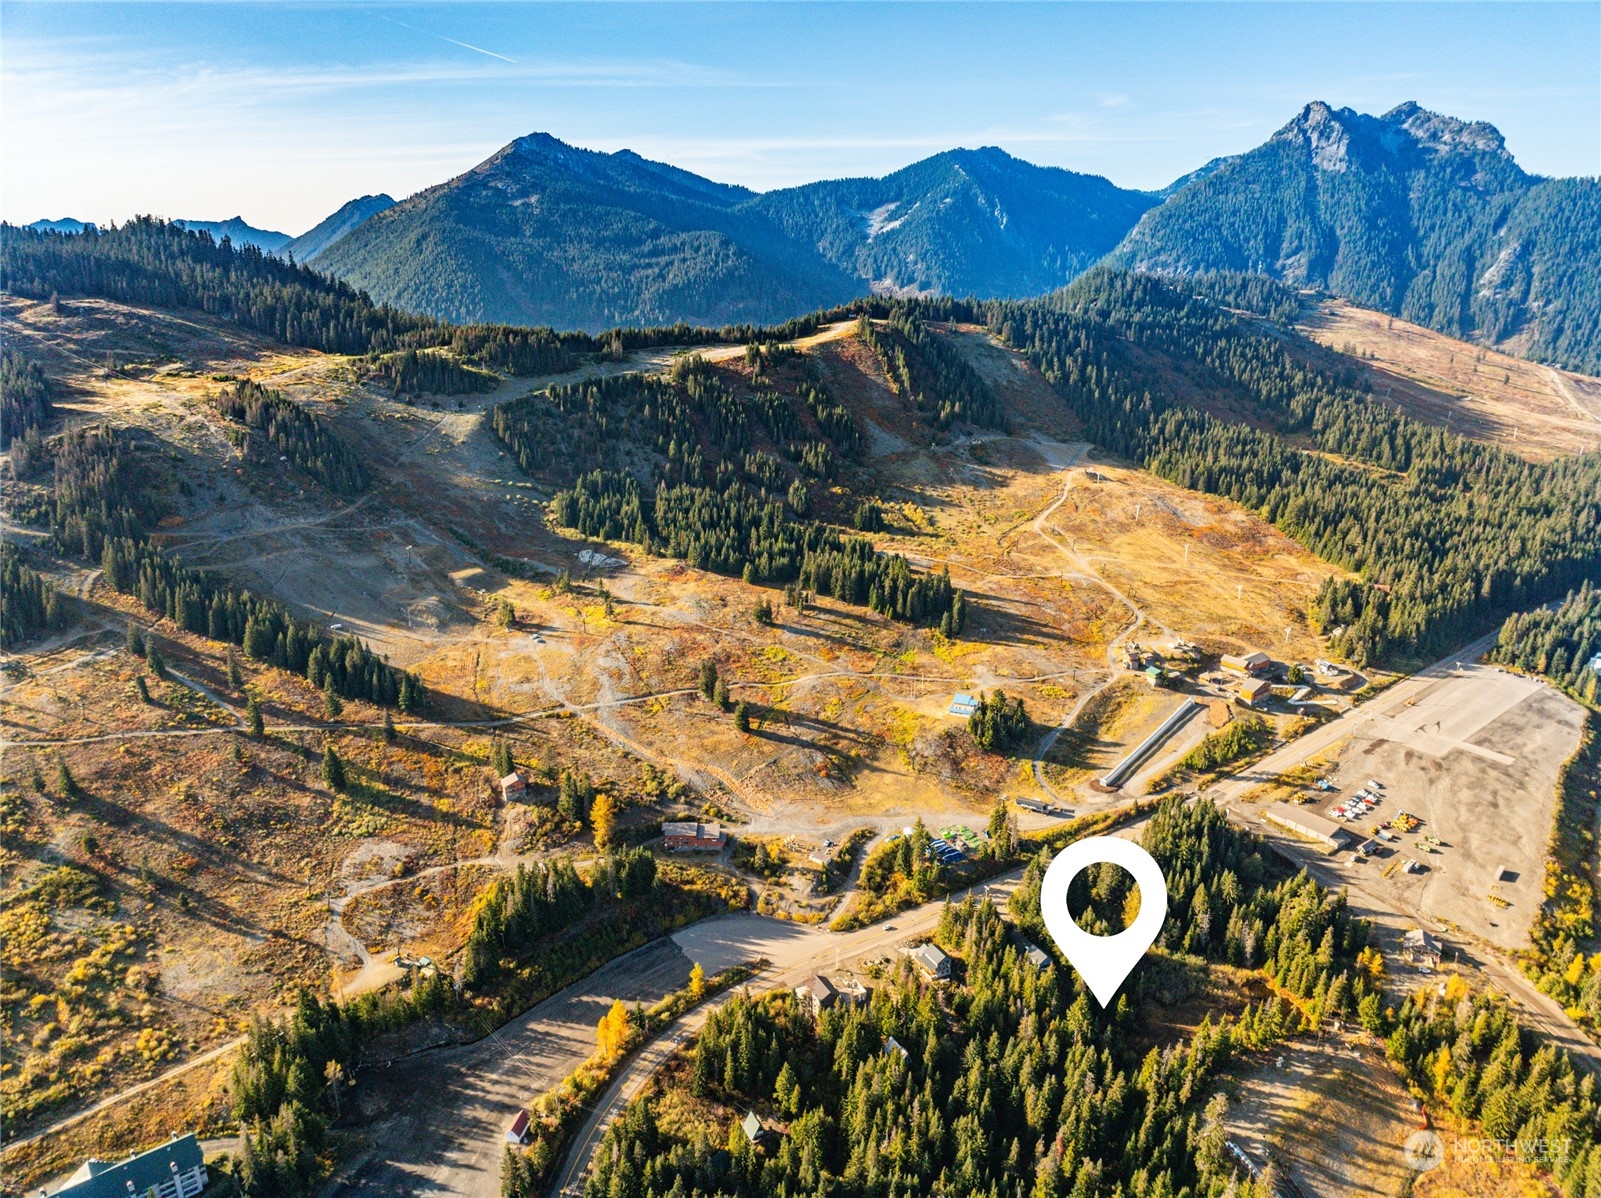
column 1420, row 948
column 518, row 1132
column 1036, row 956
column 892, row 1045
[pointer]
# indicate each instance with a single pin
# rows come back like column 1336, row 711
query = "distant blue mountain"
column 547, row 233
column 235, row 228
column 330, row 229
column 65, row 225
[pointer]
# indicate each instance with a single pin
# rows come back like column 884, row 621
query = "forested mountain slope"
column 543, row 232
column 1412, row 213
column 965, row 222
column 335, row 225
column 1448, row 536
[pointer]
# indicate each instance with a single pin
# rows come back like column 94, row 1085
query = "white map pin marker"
column 1104, row 961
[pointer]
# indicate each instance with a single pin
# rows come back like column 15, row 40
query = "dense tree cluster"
column 98, row 492
column 1447, row 535
column 29, row 605
column 736, row 531
column 1239, row 739
column 1560, row 642
column 428, row 372
column 1471, row 1055
column 930, row 374
column 24, row 397
column 998, row 723
column 295, row 433
column 1013, row 1080
column 542, row 900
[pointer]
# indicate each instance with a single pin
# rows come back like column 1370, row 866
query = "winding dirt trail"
column 1082, row 569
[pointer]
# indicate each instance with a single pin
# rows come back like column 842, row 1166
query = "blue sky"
column 282, row 112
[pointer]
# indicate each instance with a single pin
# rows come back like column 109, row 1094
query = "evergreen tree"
column 333, row 769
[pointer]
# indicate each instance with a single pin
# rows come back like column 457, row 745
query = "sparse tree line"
column 1447, row 535
column 1240, row 739
column 930, row 374
column 305, row 439
column 103, row 505
column 1562, row 958
column 1014, row 1080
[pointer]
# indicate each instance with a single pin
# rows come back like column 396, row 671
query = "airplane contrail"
column 480, row 49
column 451, row 40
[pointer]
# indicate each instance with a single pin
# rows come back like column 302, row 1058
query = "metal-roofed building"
column 931, row 960
column 1305, row 823
column 176, row 1169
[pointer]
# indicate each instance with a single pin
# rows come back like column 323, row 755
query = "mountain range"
column 1414, row 213
column 235, row 228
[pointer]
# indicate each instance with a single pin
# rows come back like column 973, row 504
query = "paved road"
column 433, row 1123
column 795, row 951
